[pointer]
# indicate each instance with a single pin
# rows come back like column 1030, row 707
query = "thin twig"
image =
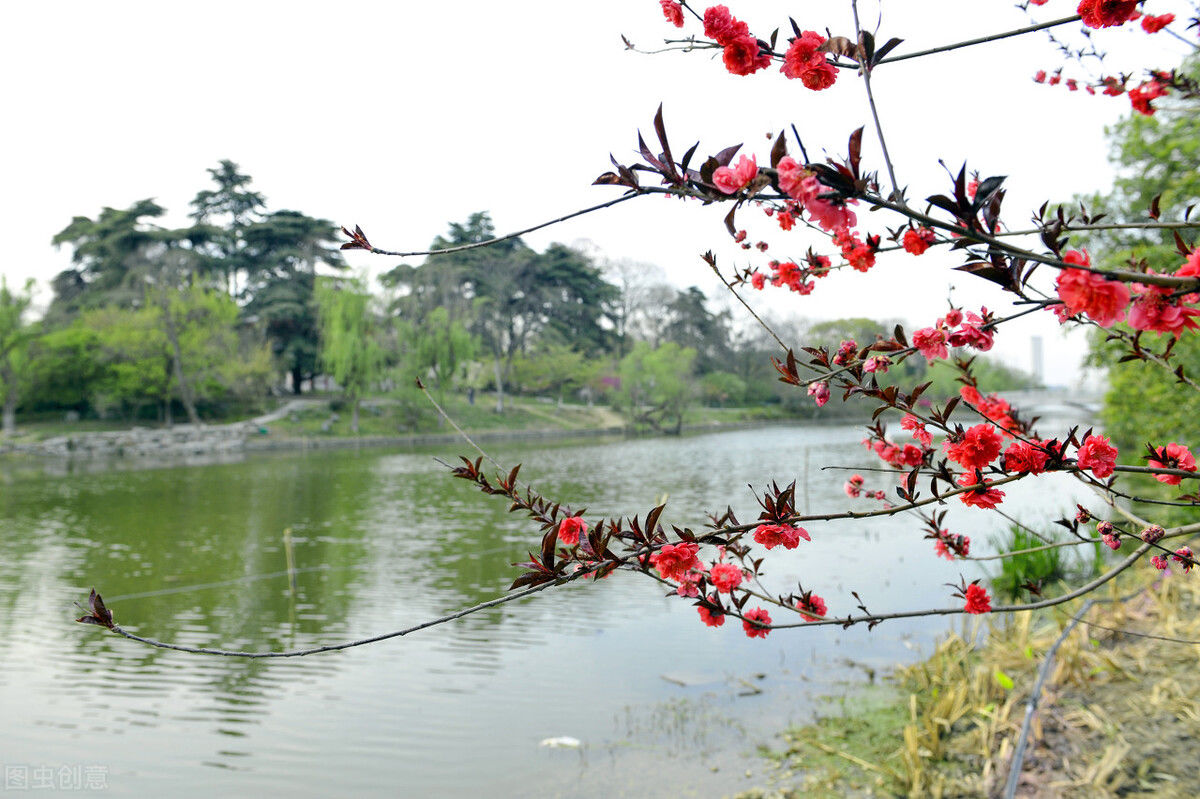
column 981, row 40
column 361, row 641
column 866, row 76
column 497, row 240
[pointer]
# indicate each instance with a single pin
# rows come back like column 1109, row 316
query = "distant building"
column 1038, row 369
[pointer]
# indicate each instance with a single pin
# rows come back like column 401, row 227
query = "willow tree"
column 350, row 338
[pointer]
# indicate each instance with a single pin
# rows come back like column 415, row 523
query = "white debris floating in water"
column 562, row 741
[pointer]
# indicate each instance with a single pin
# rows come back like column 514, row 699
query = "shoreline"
column 188, row 441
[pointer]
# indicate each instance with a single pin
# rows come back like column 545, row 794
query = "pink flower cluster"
column 802, row 186
column 787, row 535
column 946, row 545
column 673, row 561
column 730, row 181
column 919, row 433
column 972, row 331
column 673, row 11
column 993, row 408
column 901, row 457
column 1106, row 301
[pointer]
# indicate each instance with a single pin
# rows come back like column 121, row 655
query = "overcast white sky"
column 404, row 116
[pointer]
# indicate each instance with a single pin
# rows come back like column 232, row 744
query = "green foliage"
column 66, row 368
column 134, row 356
column 656, row 383
column 990, row 374
column 1046, row 566
column 440, row 348
column 15, row 335
column 722, row 388
column 552, row 368
column 350, row 346
column 689, row 323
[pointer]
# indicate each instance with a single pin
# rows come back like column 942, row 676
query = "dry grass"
column 1119, row 716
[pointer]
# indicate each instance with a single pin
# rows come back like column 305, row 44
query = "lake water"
column 663, row 705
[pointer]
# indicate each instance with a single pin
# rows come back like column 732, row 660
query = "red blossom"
column 1103, row 300
column 1184, row 557
column 773, row 535
column 711, row 617
column 791, row 177
column 1155, row 24
column 819, row 392
column 729, row 180
column 800, row 52
column 674, row 560
column 754, row 621
column 758, row 280
column 804, row 62
column 973, row 334
column 910, row 422
column 725, row 577
column 673, row 12
column 811, row 606
column 877, row 363
column 977, row 599
column 819, row 75
column 1098, row 454
column 720, row 25
column 1153, row 310
column 859, row 255
column 977, row 447
column 1172, row 456
column 743, row 56
column 917, row 240
column 1141, row 96
column 1159, row 562
column 1023, row 457
column 931, row 342
column 1106, row 13
column 983, row 497
column 570, row 529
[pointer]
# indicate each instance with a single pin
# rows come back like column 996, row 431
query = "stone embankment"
column 178, row 440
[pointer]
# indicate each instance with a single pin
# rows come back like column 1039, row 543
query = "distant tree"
column 691, row 324
column 723, row 388
column 285, row 250
column 134, row 352
column 579, row 305
column 221, row 216
column 107, row 252
column 66, row 368
column 551, row 367
column 15, row 334
column 656, row 384
column 440, row 347
column 350, row 348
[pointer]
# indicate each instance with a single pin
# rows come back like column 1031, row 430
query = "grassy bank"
column 1119, row 714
